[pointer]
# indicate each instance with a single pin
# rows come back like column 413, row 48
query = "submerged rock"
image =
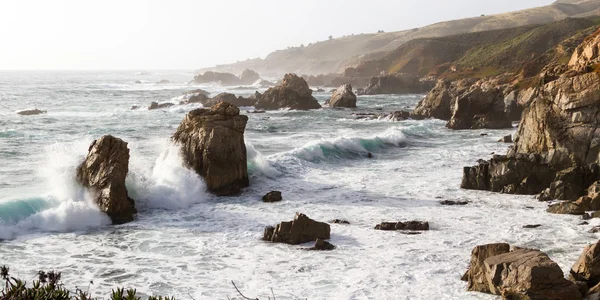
column 293, row 93
column 103, row 172
column 342, row 97
column 31, row 112
column 230, row 98
column 301, row 230
column 212, row 144
column 274, row 196
column 506, row 139
column 339, row 221
column 322, row 245
column 156, row 105
column 411, row 226
column 453, row 203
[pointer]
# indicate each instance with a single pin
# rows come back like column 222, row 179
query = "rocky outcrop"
column 587, row 267
column 518, row 274
column 31, row 112
column 342, row 97
column 103, row 173
column 156, row 105
column 212, row 143
column 249, row 77
column 293, row 93
column 438, row 103
column 195, row 96
column 322, row 245
column 238, row 101
column 559, row 135
column 274, row 196
column 301, row 230
column 411, row 226
column 398, row 84
column 222, row 78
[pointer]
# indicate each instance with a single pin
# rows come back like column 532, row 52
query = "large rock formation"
column 557, row 146
column 103, row 172
column 587, row 267
column 222, row 78
column 397, row 84
column 342, row 97
column 518, row 274
column 301, row 230
column 249, row 77
column 469, row 104
column 238, row 101
column 293, row 93
column 212, row 143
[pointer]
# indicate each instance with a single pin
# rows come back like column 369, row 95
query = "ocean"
column 187, row 243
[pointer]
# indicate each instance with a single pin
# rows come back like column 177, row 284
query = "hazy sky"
column 188, row 34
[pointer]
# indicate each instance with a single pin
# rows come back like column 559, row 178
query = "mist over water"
column 186, row 241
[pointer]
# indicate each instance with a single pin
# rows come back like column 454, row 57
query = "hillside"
column 337, row 54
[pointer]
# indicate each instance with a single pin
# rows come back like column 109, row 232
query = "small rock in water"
column 411, row 226
column 369, row 155
column 411, row 232
column 595, row 229
column 584, row 223
column 483, row 134
column 452, row 202
column 274, row 196
column 339, row 221
column 532, row 226
column 529, row 207
column 506, row 139
column 586, row 216
column 135, row 107
column 322, row 245
column 31, row 112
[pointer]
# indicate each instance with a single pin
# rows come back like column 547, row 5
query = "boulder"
column 222, row 78
column 301, row 230
column 212, row 144
column 103, row 173
column 322, row 245
column 566, row 208
column 439, row 101
column 479, row 108
column 340, row 221
column 229, row 98
column 293, row 93
column 274, row 196
column 342, row 97
column 31, row 112
column 397, row 84
column 476, row 274
column 506, row 139
column 249, row 77
column 395, row 116
column 453, row 203
column 411, row 225
column 266, row 83
column 528, row 274
column 156, row 105
column 587, row 267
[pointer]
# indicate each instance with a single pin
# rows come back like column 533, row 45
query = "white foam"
column 259, row 164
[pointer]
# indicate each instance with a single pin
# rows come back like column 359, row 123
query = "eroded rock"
column 342, row 97
column 301, row 230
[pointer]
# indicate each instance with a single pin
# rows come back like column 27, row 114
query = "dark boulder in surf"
column 342, row 97
column 31, row 112
column 293, row 93
column 410, row 226
column 274, row 196
column 301, row 230
column 212, row 144
column 156, row 105
column 103, row 173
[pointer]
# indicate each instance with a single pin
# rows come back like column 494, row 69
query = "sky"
column 190, row 34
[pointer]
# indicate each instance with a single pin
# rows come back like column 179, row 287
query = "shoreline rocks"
column 292, row 93
column 299, row 231
column 397, row 84
column 407, row 226
column 274, row 196
column 212, row 144
column 103, row 172
column 342, row 97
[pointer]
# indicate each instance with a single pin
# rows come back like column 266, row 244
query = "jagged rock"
column 249, row 77
column 586, row 54
column 439, row 101
column 506, row 139
column 397, row 84
column 532, row 226
column 395, row 116
column 322, row 245
column 319, row 90
column 293, row 93
column 212, row 144
column 301, row 230
column 479, row 108
column 103, row 172
column 222, row 78
column 527, row 274
column 566, row 208
column 411, row 226
column 340, row 221
column 452, row 202
column 31, row 112
column 156, row 105
column 587, row 267
column 476, row 274
column 342, row 97
column 274, row 196
column 229, row 98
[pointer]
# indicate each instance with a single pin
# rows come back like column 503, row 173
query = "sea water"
column 187, row 243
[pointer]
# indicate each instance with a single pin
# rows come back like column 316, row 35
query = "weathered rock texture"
column 557, row 147
column 587, row 267
column 410, row 225
column 293, row 93
column 238, row 101
column 342, row 97
column 212, row 143
column 103, row 172
column 301, row 230
column 397, row 84
column 274, row 196
column 476, row 274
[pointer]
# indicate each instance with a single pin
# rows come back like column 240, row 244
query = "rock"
column 479, row 108
column 595, row 229
column 340, row 221
column 587, row 53
column 506, row 139
column 586, row 216
column 156, row 105
column 212, row 144
column 222, row 78
column 256, row 111
column 583, row 223
column 301, row 230
column 566, row 208
column 439, row 101
column 527, row 274
column 266, row 83
column 397, row 84
column 452, row 202
column 274, row 196
column 230, row 98
column 163, row 81
column 103, row 172
column 320, row 90
column 293, row 93
column 31, row 112
column 322, row 245
column 476, row 274
column 342, row 97
column 411, row 225
column 135, row 107
column 532, row 226
column 249, row 77
column 137, row 82
column 587, row 267
column 395, row 116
